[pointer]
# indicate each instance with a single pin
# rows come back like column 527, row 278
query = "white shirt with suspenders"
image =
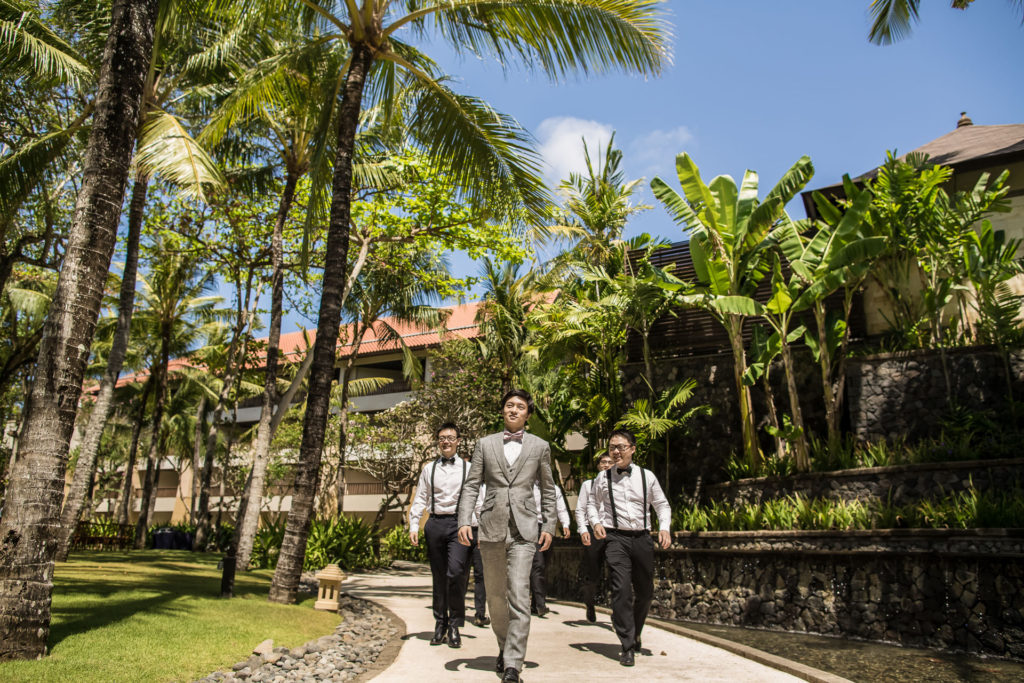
column 623, row 501
column 440, row 486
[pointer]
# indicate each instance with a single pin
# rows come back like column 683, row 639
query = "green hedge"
column 965, row 510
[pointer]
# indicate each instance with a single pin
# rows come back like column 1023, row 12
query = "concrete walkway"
column 563, row 646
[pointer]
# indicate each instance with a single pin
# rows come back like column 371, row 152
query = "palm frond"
column 167, row 149
column 30, row 49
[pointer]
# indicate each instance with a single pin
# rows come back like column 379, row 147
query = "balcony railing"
column 365, row 489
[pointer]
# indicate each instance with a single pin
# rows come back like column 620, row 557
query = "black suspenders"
column 433, row 491
column 611, row 496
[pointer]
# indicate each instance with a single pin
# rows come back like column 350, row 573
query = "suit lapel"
column 498, row 450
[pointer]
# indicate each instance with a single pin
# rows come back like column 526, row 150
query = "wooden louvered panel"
column 694, row 332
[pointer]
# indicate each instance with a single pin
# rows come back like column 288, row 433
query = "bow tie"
column 624, row 470
column 513, row 436
column 448, row 461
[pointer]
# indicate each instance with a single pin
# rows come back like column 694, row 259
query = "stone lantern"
column 330, row 578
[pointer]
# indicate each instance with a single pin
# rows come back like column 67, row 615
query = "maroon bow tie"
column 513, row 436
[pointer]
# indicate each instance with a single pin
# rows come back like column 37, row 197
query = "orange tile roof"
column 461, row 323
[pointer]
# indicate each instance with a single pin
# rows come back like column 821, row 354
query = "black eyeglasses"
column 619, row 449
column 447, row 439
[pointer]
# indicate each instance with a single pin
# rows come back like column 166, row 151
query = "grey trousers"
column 507, row 564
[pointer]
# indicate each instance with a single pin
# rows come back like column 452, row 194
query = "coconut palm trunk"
column 133, row 452
column 197, row 459
column 293, row 548
column 155, row 444
column 86, row 467
column 32, row 508
column 249, row 515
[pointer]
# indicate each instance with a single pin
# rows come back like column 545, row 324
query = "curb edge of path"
column 807, row 673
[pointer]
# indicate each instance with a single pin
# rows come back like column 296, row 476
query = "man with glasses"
column 593, row 548
column 440, row 488
column 619, row 510
column 508, row 463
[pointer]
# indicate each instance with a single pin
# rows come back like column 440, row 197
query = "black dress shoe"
column 637, row 645
column 499, row 666
column 511, row 676
column 591, row 614
column 542, row 611
column 480, row 621
column 439, row 634
column 454, row 639
column 626, row 658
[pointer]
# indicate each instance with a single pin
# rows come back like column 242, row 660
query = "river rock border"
column 365, row 642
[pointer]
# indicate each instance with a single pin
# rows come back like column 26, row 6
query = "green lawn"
column 156, row 616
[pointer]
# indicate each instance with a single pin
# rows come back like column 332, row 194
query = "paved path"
column 563, row 646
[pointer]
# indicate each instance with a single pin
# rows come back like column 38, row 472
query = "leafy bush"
column 345, row 541
column 969, row 509
column 266, row 546
column 396, row 546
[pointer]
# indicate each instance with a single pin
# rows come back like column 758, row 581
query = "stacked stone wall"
column 946, row 589
column 898, row 485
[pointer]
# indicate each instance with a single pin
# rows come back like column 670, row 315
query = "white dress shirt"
column 562, row 510
column 512, row 450
column 448, row 481
column 582, row 524
column 629, row 501
column 475, row 519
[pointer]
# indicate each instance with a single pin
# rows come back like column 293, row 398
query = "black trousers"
column 479, row 591
column 631, row 567
column 447, row 564
column 538, row 584
column 593, row 562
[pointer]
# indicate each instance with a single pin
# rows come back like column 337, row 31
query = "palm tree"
column 37, row 478
column 483, row 150
column 175, row 306
column 508, row 298
column 891, row 20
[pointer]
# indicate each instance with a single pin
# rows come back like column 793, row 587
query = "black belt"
column 451, row 516
column 636, row 533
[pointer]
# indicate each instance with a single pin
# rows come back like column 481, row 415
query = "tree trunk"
column 133, row 451
column 32, row 507
column 249, row 515
column 197, row 456
column 155, row 444
column 734, row 328
column 801, row 452
column 203, row 510
column 773, row 413
column 293, row 549
column 86, row 468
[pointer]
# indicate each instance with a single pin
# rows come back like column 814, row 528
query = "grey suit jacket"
column 509, row 489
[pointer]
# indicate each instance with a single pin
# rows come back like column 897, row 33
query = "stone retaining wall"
column 947, row 589
column 887, row 396
column 899, row 485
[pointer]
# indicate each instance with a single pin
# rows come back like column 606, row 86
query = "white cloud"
column 659, row 145
column 561, row 145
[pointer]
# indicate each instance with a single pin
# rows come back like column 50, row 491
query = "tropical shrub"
column 266, row 546
column 344, row 541
column 971, row 509
column 396, row 546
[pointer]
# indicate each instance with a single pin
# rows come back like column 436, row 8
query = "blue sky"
column 756, row 84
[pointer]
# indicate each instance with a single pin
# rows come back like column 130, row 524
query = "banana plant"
column 727, row 227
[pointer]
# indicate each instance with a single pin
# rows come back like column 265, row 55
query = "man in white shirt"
column 509, row 463
column 439, row 489
column 626, row 493
column 593, row 548
column 538, row 587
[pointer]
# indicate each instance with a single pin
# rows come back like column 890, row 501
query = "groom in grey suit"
column 508, row 463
